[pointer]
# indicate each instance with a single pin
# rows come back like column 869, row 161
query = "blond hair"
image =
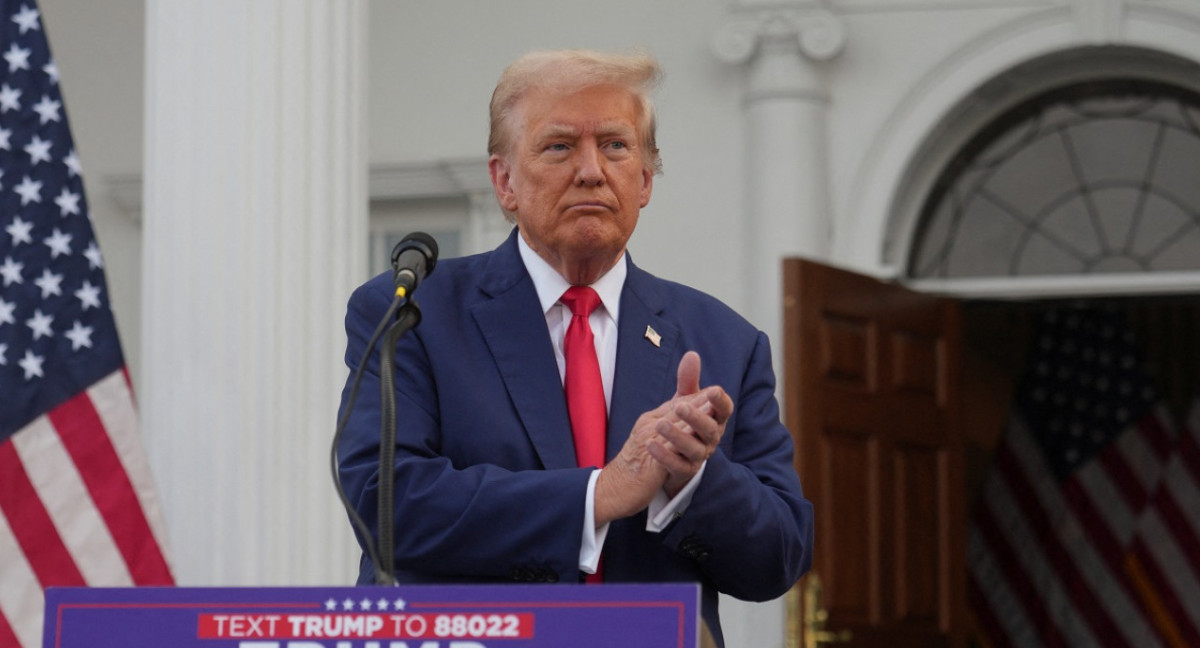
column 576, row 69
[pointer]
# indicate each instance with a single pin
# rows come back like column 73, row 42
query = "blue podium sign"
column 407, row 616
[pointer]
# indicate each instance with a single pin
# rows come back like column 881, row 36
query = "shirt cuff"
column 662, row 511
column 593, row 538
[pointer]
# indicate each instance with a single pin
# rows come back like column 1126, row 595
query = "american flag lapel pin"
column 653, row 336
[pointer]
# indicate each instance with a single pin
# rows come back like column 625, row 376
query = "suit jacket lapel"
column 645, row 372
column 514, row 327
column 512, row 323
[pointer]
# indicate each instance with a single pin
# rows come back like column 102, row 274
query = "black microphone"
column 413, row 258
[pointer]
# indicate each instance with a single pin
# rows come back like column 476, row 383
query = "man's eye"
column 557, row 147
column 618, row 144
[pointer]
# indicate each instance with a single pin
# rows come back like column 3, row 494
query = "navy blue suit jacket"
column 486, row 484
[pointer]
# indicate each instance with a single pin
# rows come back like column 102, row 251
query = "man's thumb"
column 688, row 377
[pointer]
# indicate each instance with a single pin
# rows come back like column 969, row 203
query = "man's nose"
column 590, row 169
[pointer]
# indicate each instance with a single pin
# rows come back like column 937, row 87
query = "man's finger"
column 668, row 457
column 721, row 404
column 689, row 443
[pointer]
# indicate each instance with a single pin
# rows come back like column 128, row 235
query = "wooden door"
column 873, row 390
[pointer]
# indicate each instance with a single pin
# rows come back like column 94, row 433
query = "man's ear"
column 647, row 186
column 501, row 174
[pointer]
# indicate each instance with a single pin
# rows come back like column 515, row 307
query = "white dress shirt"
column 550, row 286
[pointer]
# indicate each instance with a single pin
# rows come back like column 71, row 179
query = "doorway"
column 900, row 401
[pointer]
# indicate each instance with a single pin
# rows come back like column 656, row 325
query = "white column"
column 787, row 192
column 788, row 208
column 255, row 233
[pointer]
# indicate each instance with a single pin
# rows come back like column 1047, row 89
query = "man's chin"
column 606, row 242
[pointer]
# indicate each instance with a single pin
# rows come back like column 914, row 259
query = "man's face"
column 575, row 176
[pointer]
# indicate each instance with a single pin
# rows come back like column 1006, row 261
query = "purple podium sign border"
column 407, row 616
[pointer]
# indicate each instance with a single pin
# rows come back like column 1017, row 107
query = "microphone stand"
column 407, row 317
column 401, row 316
column 412, row 259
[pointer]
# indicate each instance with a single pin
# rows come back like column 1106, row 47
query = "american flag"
column 77, row 505
column 1084, row 450
column 1165, row 559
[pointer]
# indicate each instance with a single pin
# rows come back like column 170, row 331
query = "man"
column 696, row 484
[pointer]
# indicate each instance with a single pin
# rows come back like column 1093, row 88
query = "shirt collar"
column 550, row 285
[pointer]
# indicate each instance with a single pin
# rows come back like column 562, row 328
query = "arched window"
column 1099, row 176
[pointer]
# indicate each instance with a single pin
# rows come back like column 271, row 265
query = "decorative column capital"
column 816, row 33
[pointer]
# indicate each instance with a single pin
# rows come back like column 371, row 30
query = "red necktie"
column 585, row 388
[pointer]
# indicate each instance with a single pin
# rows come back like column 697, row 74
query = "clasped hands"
column 666, row 447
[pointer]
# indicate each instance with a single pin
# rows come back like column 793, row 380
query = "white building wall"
column 904, row 65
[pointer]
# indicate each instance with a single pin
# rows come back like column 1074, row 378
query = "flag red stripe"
column 1176, row 521
column 1164, row 595
column 984, row 618
column 31, row 525
column 1123, row 477
column 1144, row 579
column 1189, row 456
column 1154, row 432
column 1097, row 525
column 1084, row 600
column 1099, row 533
column 1023, row 588
column 7, row 636
column 85, row 439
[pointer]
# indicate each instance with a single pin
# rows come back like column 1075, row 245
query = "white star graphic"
column 89, row 295
column 3, row 355
column 72, row 162
column 331, row 605
column 47, row 109
column 364, row 604
column 38, row 150
column 32, row 364
column 20, row 231
column 347, row 604
column 27, row 18
column 11, row 271
column 6, row 312
column 381, row 605
column 10, row 98
column 30, row 190
column 80, row 336
column 51, row 70
column 399, row 604
column 59, row 243
column 50, row 283
column 5, row 137
column 68, row 202
column 39, row 324
column 17, row 57
column 93, row 256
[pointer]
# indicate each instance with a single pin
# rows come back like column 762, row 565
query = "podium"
column 405, row 616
